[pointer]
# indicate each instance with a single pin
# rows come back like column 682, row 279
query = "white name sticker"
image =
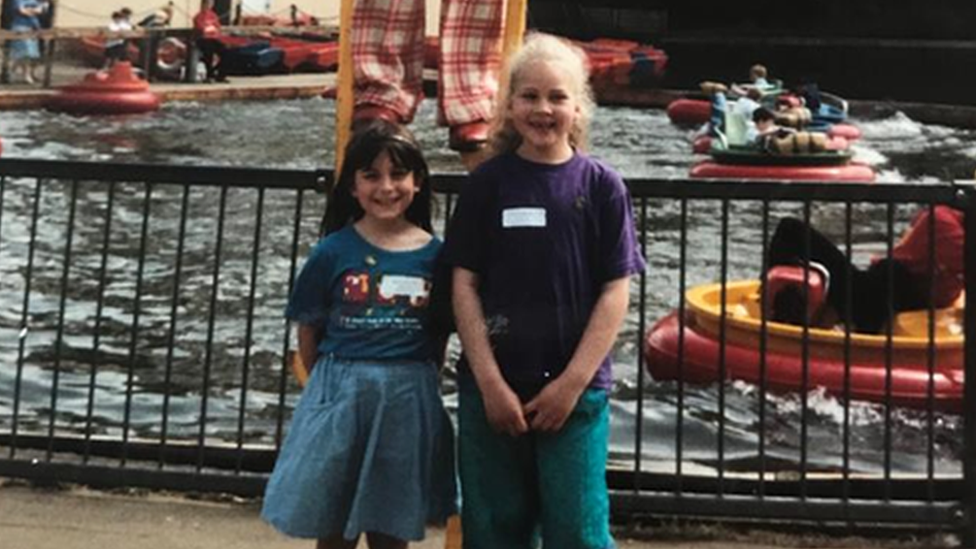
column 523, row 217
column 397, row 285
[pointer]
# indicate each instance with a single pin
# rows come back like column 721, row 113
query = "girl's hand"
column 504, row 411
column 550, row 409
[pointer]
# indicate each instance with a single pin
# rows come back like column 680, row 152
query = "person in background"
column 388, row 55
column 116, row 47
column 25, row 52
column 206, row 30
column 758, row 77
column 745, row 108
column 543, row 246
column 809, row 93
column 758, row 80
column 908, row 276
column 370, row 449
column 158, row 19
column 765, row 128
column 717, row 94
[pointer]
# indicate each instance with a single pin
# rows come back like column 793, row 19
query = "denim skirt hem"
column 370, row 449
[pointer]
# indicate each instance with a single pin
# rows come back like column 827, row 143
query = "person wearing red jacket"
column 206, row 29
column 914, row 276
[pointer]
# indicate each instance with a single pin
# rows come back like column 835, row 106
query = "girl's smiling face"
column 384, row 190
column 543, row 109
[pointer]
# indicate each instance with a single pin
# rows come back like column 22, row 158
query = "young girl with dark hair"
column 370, row 449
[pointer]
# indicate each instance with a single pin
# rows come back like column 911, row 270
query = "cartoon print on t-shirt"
column 383, row 299
column 355, row 287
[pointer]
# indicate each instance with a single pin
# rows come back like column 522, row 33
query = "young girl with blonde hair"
column 543, row 246
column 544, row 48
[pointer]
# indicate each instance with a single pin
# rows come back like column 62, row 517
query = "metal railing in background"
column 824, row 490
column 163, row 53
column 142, row 344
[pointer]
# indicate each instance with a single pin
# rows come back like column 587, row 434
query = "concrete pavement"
column 79, row 518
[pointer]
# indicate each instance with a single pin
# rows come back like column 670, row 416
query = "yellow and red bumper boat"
column 858, row 369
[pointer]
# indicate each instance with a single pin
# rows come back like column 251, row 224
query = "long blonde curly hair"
column 545, row 48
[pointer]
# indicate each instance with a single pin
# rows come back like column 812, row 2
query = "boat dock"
column 285, row 86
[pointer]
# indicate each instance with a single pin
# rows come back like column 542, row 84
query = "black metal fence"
column 142, row 344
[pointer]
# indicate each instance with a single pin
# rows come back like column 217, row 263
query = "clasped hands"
column 546, row 412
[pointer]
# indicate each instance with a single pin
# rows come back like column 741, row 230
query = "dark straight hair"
column 368, row 142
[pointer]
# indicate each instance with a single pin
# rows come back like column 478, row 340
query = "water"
column 297, row 134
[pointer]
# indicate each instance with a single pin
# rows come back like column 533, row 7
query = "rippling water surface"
column 297, row 134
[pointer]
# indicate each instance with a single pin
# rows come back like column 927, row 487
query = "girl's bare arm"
column 308, row 343
column 551, row 407
column 502, row 405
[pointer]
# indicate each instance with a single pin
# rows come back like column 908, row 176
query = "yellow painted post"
column 344, row 94
column 514, row 32
column 452, row 538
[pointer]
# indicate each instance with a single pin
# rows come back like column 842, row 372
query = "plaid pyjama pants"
column 388, row 56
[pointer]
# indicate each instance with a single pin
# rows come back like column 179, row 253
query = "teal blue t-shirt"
column 371, row 302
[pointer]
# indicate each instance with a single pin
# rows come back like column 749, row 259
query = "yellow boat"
column 861, row 368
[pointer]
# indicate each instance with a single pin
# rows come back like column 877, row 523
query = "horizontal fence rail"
column 142, row 344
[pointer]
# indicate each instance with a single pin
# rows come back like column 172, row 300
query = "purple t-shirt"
column 543, row 240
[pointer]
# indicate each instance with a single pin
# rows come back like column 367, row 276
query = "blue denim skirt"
column 27, row 48
column 370, row 449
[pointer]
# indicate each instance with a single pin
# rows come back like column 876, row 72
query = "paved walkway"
column 84, row 519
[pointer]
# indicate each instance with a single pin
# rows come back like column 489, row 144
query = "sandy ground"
column 34, row 518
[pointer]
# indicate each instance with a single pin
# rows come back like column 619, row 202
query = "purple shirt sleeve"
column 618, row 237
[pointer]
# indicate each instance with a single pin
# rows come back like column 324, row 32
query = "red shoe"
column 468, row 137
column 363, row 113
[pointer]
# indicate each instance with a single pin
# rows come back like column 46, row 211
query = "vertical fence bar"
column 641, row 327
column 680, row 404
column 286, row 340
column 5, row 62
column 248, row 330
column 967, row 199
column 448, row 211
column 99, row 309
column 134, row 330
column 3, row 189
column 805, row 354
column 889, row 346
column 59, row 339
column 48, row 46
column 171, row 337
column 722, row 366
column 3, row 193
column 25, row 318
column 208, row 352
column 848, row 300
column 763, row 342
column 930, row 357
